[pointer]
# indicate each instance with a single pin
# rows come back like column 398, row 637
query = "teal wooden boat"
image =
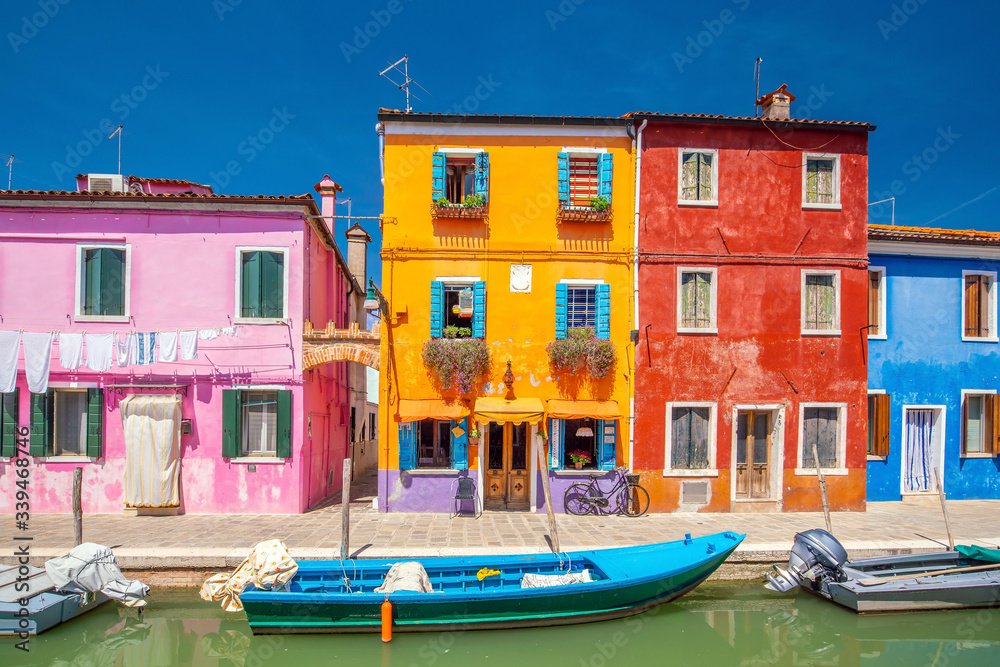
column 339, row 596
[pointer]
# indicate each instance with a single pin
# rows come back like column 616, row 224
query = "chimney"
column 775, row 105
column 357, row 253
column 327, row 190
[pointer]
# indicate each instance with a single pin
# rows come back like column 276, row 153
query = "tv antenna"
column 119, row 133
column 10, row 168
column 756, row 78
column 406, row 79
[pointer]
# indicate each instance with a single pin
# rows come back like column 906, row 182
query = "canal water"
column 718, row 624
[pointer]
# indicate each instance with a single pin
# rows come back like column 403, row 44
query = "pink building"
column 241, row 427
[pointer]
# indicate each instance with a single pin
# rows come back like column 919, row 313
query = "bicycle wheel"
column 633, row 500
column 575, row 500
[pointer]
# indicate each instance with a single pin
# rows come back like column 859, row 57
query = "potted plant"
column 580, row 348
column 474, row 201
column 579, row 458
column 600, row 204
column 458, row 362
column 474, row 436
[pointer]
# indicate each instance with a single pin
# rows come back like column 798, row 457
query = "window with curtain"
column 820, row 302
column 260, row 423
column 70, row 422
column 697, row 179
column 690, row 437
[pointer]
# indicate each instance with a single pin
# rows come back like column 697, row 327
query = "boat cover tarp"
column 268, row 567
column 92, row 567
column 531, row 580
column 979, row 553
column 408, row 576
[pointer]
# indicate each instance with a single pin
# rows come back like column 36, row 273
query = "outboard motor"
column 814, row 548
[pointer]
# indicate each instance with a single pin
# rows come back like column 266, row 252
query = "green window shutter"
column 557, row 440
column 437, row 176
column 272, row 284
column 92, row 281
column 483, row 174
column 479, row 310
column 8, row 423
column 231, row 413
column 603, row 294
column 437, row 308
column 406, row 445
column 460, row 445
column 604, row 171
column 561, row 300
column 284, row 435
column 112, row 282
column 40, row 426
column 562, row 173
column 608, row 435
column 95, row 422
column 250, row 292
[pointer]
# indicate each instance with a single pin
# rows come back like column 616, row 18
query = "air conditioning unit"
column 105, row 183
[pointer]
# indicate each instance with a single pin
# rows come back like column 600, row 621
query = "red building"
column 752, row 314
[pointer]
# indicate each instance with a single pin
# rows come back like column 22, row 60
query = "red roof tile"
column 932, row 235
column 87, row 194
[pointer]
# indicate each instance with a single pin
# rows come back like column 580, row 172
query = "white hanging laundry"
column 146, row 348
column 37, row 359
column 189, row 345
column 127, row 349
column 208, row 334
column 10, row 345
column 99, row 350
column 70, row 350
column 168, row 345
column 228, row 331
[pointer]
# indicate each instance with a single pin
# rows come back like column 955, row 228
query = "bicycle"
column 630, row 498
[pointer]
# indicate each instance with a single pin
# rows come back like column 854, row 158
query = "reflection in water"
column 718, row 624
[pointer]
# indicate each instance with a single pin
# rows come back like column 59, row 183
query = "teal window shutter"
column 557, row 442
column 272, row 284
column 604, row 169
column 112, row 282
column 603, row 310
column 460, row 445
column 8, row 423
column 95, row 422
column 250, row 292
column 437, row 177
column 40, row 426
column 606, row 447
column 283, row 447
column 479, row 310
column 406, row 445
column 92, row 281
column 561, row 310
column 231, row 413
column 437, row 308
column 562, row 162
column 483, row 174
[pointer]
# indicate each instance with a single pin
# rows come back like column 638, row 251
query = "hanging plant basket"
column 458, row 362
column 582, row 348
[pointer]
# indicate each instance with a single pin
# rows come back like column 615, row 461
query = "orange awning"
column 430, row 408
column 563, row 409
column 516, row 411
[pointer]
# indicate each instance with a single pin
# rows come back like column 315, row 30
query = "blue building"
column 934, row 363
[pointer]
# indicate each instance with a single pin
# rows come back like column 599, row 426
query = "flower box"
column 458, row 211
column 584, row 214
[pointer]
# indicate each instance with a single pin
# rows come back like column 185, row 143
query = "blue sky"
column 193, row 81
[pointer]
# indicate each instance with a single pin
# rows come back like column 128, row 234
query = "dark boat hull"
column 630, row 585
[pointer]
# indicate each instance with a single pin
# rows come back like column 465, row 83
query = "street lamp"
column 374, row 300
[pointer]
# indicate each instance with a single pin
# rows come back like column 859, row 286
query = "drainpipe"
column 380, row 131
column 637, row 151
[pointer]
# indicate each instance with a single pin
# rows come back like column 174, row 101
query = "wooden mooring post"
column 822, row 490
column 77, row 506
column 345, row 513
column 543, row 466
column 944, row 508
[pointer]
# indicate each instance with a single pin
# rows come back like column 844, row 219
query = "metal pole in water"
column 944, row 508
column 77, row 506
column 822, row 490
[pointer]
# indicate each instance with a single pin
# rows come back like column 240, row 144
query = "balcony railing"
column 584, row 214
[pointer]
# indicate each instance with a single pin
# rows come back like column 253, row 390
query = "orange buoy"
column 386, row 621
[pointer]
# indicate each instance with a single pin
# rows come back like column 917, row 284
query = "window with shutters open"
column 434, row 444
column 825, row 425
column 102, row 293
column 820, row 303
column 979, row 306
column 585, row 178
column 691, row 441
column 256, row 423
column 460, row 182
column 458, row 307
column 67, row 422
column 583, row 304
column 821, row 181
column 980, row 424
column 698, row 177
column 876, row 303
column 696, row 300
column 878, row 425
column 261, row 284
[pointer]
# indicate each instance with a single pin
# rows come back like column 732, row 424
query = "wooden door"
column 753, row 454
column 507, row 467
